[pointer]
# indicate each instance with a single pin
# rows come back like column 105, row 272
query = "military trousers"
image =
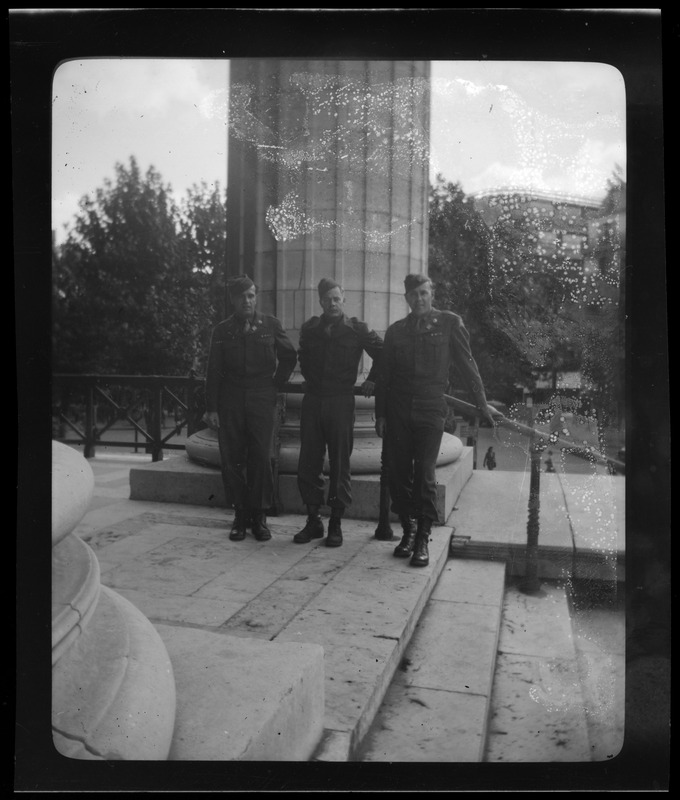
column 413, row 436
column 326, row 425
column 245, row 440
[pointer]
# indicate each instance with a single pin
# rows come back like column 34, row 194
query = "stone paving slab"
column 464, row 637
column 177, row 608
column 494, row 506
column 537, row 674
column 437, row 706
column 537, row 624
column 597, row 511
column 541, row 718
column 442, row 727
column 357, row 602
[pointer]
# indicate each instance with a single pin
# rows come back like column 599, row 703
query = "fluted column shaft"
column 328, row 177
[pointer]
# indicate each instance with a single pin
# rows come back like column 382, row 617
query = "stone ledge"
column 179, row 480
column 244, row 699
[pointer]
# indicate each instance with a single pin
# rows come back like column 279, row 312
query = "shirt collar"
column 326, row 322
column 426, row 321
column 255, row 321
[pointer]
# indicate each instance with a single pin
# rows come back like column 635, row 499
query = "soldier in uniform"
column 418, row 354
column 330, row 350
column 250, row 359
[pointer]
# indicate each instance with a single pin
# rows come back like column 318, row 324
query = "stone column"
column 327, row 177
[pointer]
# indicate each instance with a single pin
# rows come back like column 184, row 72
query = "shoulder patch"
column 450, row 315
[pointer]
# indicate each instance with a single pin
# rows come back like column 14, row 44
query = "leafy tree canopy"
column 529, row 305
column 137, row 281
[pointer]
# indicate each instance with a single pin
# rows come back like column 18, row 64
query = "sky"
column 548, row 127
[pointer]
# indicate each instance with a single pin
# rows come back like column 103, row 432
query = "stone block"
column 179, row 480
column 241, row 699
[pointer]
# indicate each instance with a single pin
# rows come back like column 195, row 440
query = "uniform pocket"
column 346, row 353
column 231, row 354
column 434, row 349
column 263, row 351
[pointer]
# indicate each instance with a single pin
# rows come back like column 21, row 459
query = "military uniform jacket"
column 329, row 361
column 261, row 357
column 417, row 359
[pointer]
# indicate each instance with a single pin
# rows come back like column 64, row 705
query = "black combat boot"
column 313, row 529
column 408, row 540
column 260, row 530
column 421, row 556
column 238, row 526
column 334, row 538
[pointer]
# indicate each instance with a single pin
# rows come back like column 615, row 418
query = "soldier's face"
column 420, row 299
column 333, row 302
column 244, row 304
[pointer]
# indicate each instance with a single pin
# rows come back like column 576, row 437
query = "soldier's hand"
column 493, row 415
column 367, row 388
column 213, row 419
column 380, row 426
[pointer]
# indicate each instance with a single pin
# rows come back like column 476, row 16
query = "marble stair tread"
column 364, row 618
column 443, row 687
column 537, row 674
column 581, row 531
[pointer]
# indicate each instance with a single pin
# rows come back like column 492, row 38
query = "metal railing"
column 135, row 399
column 538, row 442
column 93, row 407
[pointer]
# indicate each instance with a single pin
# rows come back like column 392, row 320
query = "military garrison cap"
column 412, row 281
column 239, row 284
column 326, row 284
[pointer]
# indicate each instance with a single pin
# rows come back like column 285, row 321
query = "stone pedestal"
column 181, row 480
column 113, row 691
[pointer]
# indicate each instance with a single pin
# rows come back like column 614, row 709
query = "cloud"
column 127, row 87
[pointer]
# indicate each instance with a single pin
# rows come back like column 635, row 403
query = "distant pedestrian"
column 489, row 459
column 250, row 359
column 549, row 466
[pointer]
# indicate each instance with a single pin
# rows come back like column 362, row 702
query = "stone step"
column 581, row 524
column 540, row 709
column 438, row 704
column 181, row 480
column 310, row 689
column 364, row 619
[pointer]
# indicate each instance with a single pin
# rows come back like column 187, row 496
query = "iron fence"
column 127, row 411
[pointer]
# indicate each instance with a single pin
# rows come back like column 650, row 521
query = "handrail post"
column 89, row 423
column 530, row 583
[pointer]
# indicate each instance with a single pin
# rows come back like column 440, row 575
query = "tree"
column 203, row 234
column 134, row 281
column 460, row 262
